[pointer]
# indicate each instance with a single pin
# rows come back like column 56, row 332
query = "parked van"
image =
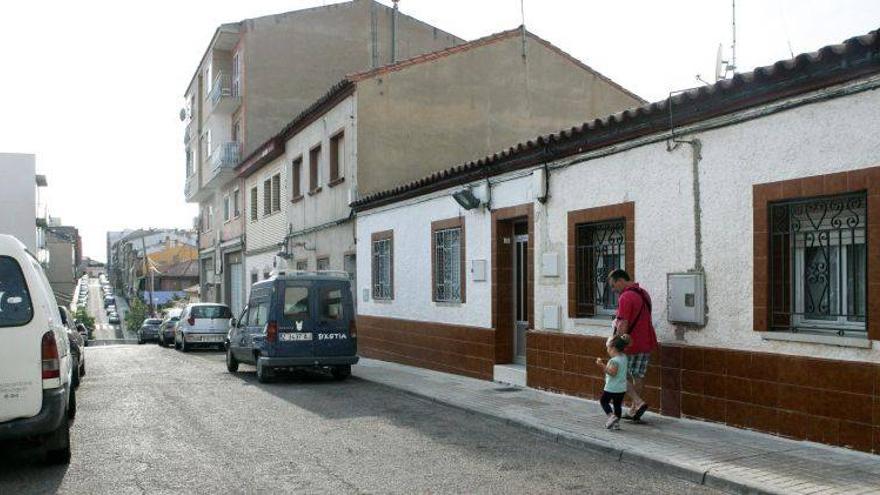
column 300, row 320
column 38, row 400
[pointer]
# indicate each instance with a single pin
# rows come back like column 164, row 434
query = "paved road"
column 159, row 421
column 103, row 329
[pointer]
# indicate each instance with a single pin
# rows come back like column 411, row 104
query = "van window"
column 211, row 312
column 296, row 303
column 259, row 315
column 15, row 301
column 330, row 303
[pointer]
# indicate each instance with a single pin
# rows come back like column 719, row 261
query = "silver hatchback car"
column 202, row 325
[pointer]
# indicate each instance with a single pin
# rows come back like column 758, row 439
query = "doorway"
column 520, row 290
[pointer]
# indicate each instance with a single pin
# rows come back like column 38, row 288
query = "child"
column 615, row 380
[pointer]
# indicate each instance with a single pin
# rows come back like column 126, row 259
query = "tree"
column 137, row 313
column 85, row 318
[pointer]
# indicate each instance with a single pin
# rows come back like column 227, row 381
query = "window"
column 600, row 248
column 189, row 162
column 314, row 159
column 302, row 265
column 296, row 303
column 323, row 263
column 265, row 274
column 267, row 197
column 818, row 258
column 296, row 178
column 226, row 208
column 236, row 74
column 259, row 316
column 253, row 204
column 276, row 193
column 206, row 79
column 211, row 312
column 236, row 203
column 236, row 131
column 337, row 147
column 447, row 260
column 208, row 148
column 383, row 265
column 330, row 303
column 255, row 277
column 15, row 300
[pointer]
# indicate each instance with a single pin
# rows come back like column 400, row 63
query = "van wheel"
column 341, row 372
column 231, row 362
column 71, row 405
column 58, row 451
column 264, row 374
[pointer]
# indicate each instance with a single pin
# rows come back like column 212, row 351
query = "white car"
column 202, row 325
column 38, row 401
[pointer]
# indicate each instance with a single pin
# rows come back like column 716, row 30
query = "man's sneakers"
column 613, row 423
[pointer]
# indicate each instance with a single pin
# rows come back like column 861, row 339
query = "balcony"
column 223, row 160
column 191, row 190
column 224, row 96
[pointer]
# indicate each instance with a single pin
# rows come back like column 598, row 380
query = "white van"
column 37, row 399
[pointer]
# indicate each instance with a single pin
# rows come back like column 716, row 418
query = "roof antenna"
column 522, row 11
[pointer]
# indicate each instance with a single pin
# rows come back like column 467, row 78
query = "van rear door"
column 296, row 323
column 334, row 316
column 21, row 387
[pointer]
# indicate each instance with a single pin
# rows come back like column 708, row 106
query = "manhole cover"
column 506, row 389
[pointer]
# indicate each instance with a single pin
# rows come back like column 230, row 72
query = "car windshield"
column 15, row 301
column 211, row 312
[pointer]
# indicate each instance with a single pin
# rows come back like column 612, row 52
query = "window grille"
column 276, row 192
column 818, row 259
column 382, row 288
column 447, row 265
column 253, row 204
column 267, row 197
column 599, row 249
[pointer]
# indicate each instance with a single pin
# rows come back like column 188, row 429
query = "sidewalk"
column 728, row 458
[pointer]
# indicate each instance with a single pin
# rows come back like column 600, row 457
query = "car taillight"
column 49, row 355
column 272, row 331
column 191, row 320
column 353, row 328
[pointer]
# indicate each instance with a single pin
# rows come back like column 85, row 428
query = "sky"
column 93, row 88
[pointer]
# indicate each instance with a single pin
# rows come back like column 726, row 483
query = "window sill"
column 818, row 339
column 383, row 301
column 297, row 199
column 314, row 191
column 449, row 304
column 272, row 214
column 336, row 182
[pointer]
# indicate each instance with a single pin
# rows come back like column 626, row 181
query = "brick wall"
column 821, row 400
column 458, row 349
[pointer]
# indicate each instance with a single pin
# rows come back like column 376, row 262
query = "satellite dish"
column 182, row 114
column 718, row 64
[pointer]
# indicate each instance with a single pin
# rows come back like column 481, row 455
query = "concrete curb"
column 661, row 464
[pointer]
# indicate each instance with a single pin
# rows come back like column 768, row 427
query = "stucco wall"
column 436, row 115
column 821, row 138
column 18, row 198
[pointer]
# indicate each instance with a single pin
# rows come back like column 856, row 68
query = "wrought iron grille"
column 600, row 249
column 382, row 269
column 447, row 265
column 818, row 265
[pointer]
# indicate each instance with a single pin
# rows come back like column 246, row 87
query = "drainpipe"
column 696, row 156
column 394, row 32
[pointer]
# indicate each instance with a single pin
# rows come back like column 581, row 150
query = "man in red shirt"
column 633, row 320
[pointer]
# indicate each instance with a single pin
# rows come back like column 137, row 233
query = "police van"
column 296, row 320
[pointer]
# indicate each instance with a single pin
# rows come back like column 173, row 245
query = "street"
column 157, row 420
column 103, row 329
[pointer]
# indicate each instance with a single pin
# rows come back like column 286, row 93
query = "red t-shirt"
column 633, row 306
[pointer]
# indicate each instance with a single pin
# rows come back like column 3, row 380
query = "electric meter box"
column 686, row 298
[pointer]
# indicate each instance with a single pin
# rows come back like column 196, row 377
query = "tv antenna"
column 723, row 67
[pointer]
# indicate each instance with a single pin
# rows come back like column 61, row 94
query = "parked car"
column 168, row 327
column 113, row 318
column 77, row 344
column 202, row 325
column 110, row 309
column 84, row 331
column 149, row 330
column 296, row 321
column 109, row 300
column 36, row 366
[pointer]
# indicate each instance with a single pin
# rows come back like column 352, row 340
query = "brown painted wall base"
column 832, row 402
column 458, row 349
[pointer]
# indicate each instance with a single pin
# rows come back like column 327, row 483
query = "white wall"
column 18, row 200
column 821, row 138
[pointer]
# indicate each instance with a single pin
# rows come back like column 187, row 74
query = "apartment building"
column 255, row 75
column 24, row 214
column 748, row 209
column 398, row 122
column 163, row 246
column 64, row 245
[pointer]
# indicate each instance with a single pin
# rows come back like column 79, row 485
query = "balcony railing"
column 223, row 87
column 226, row 155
